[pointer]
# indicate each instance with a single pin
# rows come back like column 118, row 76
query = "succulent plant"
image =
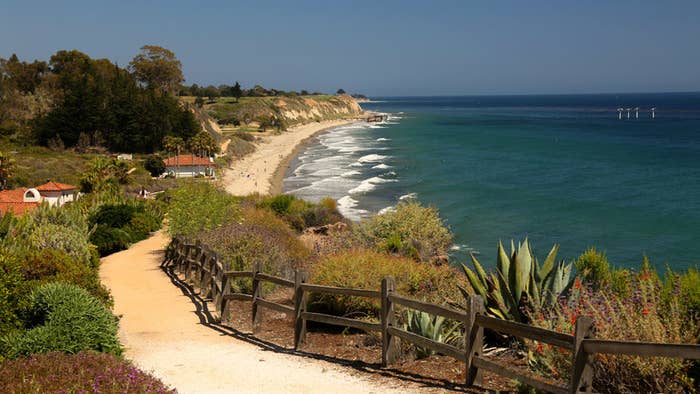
column 429, row 326
column 519, row 283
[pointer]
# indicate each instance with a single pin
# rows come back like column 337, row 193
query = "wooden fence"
column 205, row 270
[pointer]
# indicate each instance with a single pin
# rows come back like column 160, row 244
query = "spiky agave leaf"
column 478, row 268
column 523, row 267
column 477, row 285
column 549, row 261
column 502, row 260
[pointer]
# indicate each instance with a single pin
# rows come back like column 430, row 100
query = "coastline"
column 263, row 170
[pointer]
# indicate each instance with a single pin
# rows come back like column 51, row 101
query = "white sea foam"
column 390, row 173
column 388, row 209
column 381, row 166
column 373, row 158
column 408, row 196
column 347, row 202
column 349, row 174
column 383, row 139
column 369, row 185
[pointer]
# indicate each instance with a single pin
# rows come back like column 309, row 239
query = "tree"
column 199, row 102
column 7, row 166
column 236, row 91
column 157, row 68
column 154, row 164
column 174, row 144
column 340, row 91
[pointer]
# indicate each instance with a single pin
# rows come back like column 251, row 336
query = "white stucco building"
column 187, row 166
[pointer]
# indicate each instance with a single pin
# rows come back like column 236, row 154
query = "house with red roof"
column 187, row 166
column 21, row 200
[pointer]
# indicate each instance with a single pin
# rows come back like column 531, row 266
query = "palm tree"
column 174, row 144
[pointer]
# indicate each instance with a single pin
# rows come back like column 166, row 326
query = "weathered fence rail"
column 206, row 271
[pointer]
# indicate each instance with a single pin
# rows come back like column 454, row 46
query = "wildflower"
column 577, row 284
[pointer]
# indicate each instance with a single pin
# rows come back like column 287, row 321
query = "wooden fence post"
column 257, row 293
column 299, row 308
column 388, row 320
column 225, row 287
column 473, row 339
column 582, row 362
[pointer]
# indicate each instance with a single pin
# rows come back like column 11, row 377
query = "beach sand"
column 263, row 170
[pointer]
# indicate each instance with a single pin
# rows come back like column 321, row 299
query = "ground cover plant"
column 84, row 372
column 65, row 318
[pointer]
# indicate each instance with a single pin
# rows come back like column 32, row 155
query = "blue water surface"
column 558, row 169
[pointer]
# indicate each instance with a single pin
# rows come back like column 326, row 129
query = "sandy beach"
column 263, row 170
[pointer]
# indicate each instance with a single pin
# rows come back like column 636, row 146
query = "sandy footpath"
column 162, row 334
column 262, row 171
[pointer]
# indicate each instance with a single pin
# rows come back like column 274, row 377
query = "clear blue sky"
column 384, row 47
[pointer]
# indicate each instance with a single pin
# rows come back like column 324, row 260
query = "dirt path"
column 162, row 334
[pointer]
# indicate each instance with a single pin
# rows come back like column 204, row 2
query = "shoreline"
column 263, row 170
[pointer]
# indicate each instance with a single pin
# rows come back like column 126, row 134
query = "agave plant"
column 426, row 325
column 519, row 282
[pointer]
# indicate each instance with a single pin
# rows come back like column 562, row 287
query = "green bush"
column 113, row 215
column 415, row 231
column 141, row 226
column 85, row 372
column 64, row 318
column 13, row 289
column 260, row 236
column 51, row 265
column 65, row 239
column 154, row 165
column 366, row 269
column 109, row 240
column 117, row 225
column 300, row 214
column 594, row 268
column 199, row 206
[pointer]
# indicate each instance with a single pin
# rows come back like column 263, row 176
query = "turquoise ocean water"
column 558, row 169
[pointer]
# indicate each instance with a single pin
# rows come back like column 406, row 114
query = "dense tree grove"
column 236, row 91
column 76, row 101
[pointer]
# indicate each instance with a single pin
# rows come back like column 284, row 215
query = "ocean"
column 555, row 168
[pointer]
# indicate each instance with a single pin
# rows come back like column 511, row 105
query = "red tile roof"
column 187, row 160
column 54, row 187
column 16, row 195
column 17, row 208
column 13, row 201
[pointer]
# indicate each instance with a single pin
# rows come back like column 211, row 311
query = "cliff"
column 287, row 111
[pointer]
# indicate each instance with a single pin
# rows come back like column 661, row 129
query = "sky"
column 383, row 48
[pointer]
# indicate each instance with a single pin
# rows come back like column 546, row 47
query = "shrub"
column 64, row 318
column 366, row 269
column 414, row 230
column 66, row 239
column 155, row 165
column 594, row 268
column 260, row 236
column 300, row 214
column 644, row 316
column 12, row 292
column 198, row 206
column 113, row 215
column 51, row 265
column 141, row 226
column 109, row 240
column 85, row 372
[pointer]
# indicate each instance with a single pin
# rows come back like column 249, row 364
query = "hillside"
column 278, row 111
